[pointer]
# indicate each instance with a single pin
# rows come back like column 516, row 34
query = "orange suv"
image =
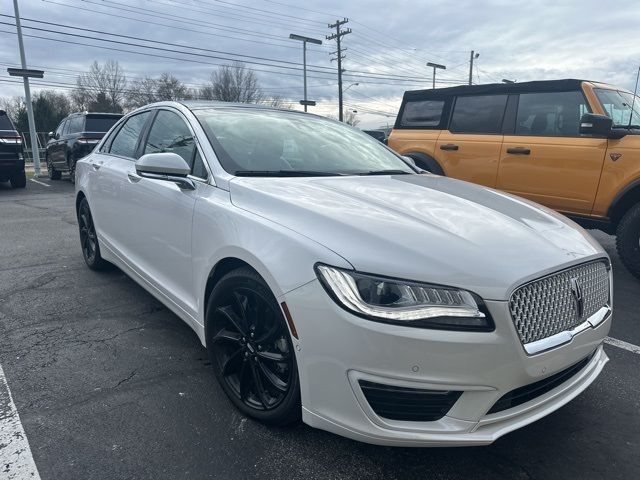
column 571, row 145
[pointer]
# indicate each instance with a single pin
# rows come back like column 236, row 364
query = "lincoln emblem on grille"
column 576, row 290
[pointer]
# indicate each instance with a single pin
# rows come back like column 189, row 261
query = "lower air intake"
column 408, row 404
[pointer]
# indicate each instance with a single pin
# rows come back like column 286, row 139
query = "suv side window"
column 75, row 124
column 422, row 113
column 60, row 129
column 126, row 140
column 478, row 114
column 65, row 128
column 170, row 133
column 553, row 114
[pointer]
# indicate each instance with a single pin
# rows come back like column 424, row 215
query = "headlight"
column 403, row 302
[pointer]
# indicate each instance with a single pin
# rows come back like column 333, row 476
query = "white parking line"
column 39, row 183
column 622, row 344
column 16, row 461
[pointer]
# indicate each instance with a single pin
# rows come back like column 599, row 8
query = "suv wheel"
column 628, row 240
column 251, row 349
column 19, row 180
column 53, row 173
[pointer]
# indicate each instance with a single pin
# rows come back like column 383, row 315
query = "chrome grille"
column 548, row 306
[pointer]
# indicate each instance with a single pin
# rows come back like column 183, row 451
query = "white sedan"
column 333, row 282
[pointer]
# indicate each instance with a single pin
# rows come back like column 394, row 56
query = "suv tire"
column 71, row 161
column 19, row 180
column 628, row 240
column 53, row 173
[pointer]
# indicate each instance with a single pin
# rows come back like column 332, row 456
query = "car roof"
column 498, row 88
column 98, row 114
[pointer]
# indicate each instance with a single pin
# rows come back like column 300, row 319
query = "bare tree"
column 103, row 86
column 169, row 87
column 149, row 90
column 233, row 83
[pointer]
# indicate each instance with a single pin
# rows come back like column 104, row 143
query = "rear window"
column 75, row 124
column 99, row 124
column 5, row 123
column 423, row 113
column 478, row 114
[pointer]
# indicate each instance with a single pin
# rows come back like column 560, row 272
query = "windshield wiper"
column 285, row 173
column 386, row 172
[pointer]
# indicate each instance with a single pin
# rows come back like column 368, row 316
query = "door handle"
column 449, row 147
column 519, row 151
column 96, row 166
column 134, row 178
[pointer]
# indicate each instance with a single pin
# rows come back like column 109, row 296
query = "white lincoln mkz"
column 332, row 281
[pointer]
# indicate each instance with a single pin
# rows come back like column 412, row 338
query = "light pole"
column 473, row 56
column 304, row 41
column 435, row 67
column 25, row 74
column 352, row 85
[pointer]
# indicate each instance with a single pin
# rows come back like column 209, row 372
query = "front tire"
column 53, row 173
column 89, row 239
column 251, row 349
column 628, row 240
column 19, row 180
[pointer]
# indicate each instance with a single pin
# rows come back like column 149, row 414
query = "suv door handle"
column 519, row 151
column 449, row 146
column 96, row 166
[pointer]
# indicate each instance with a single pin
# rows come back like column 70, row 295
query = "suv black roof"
column 95, row 113
column 524, row 87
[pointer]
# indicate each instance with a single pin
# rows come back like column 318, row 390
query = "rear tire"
column 89, row 239
column 251, row 350
column 19, row 180
column 71, row 162
column 628, row 240
column 53, row 173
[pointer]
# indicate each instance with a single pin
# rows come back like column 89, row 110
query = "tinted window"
column 126, row 140
column 60, row 128
column 424, row 113
column 617, row 105
column 5, row 123
column 555, row 114
column 481, row 114
column 75, row 124
column 99, row 124
column 65, row 128
column 170, row 133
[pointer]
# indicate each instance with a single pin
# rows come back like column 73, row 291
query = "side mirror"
column 50, row 135
column 412, row 163
column 596, row 125
column 165, row 166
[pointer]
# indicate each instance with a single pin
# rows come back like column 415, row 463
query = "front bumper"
column 337, row 350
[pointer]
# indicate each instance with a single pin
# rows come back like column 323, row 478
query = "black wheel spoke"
column 244, row 381
column 272, row 378
column 273, row 356
column 228, row 313
column 233, row 363
column 225, row 335
column 259, row 387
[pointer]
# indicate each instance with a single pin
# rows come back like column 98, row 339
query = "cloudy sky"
column 386, row 52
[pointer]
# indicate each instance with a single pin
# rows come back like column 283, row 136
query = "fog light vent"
column 408, row 404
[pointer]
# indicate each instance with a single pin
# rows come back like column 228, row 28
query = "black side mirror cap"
column 595, row 125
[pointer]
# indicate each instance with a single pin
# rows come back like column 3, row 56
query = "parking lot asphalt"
column 111, row 385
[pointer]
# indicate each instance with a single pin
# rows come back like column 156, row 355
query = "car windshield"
column 274, row 143
column 618, row 105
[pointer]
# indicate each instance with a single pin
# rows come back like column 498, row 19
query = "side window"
column 554, row 114
column 126, row 140
column 170, row 133
column 65, row 129
column 60, row 129
column 422, row 113
column 75, row 124
column 478, row 114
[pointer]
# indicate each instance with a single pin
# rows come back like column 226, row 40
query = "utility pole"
column 473, row 56
column 304, row 41
column 27, row 95
column 338, row 35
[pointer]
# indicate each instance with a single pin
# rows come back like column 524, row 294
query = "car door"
column 111, row 210
column 54, row 147
column 470, row 148
column 160, row 213
column 545, row 159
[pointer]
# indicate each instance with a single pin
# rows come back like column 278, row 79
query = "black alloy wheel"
column 251, row 350
column 88, row 238
column 53, row 173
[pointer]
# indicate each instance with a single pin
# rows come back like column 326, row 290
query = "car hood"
column 423, row 228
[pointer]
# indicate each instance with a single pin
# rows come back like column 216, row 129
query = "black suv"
column 74, row 138
column 11, row 158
